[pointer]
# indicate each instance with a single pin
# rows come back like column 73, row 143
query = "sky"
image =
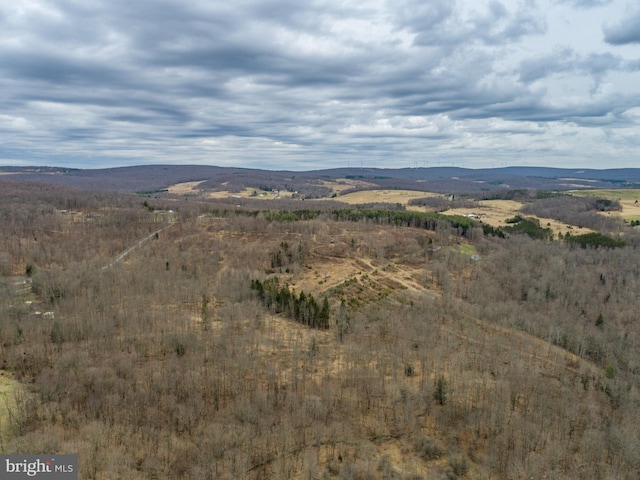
column 314, row 84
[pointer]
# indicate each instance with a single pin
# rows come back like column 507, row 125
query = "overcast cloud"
column 286, row 84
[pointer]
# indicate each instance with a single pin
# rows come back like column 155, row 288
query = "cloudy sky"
column 305, row 84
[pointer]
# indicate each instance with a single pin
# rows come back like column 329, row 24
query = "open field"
column 339, row 185
column 621, row 194
column 496, row 212
column 251, row 193
column 629, row 199
column 185, row 188
column 384, row 196
column 191, row 188
column 492, row 212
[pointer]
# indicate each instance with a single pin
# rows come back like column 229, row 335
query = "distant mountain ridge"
column 155, row 178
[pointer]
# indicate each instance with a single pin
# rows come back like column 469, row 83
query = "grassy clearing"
column 468, row 249
column 185, row 188
column 496, row 212
column 254, row 193
column 384, row 196
column 629, row 199
column 341, row 184
column 492, row 212
column 622, row 194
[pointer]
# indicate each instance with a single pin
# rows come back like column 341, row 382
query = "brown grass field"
column 341, row 184
column 496, row 212
column 629, row 199
column 384, row 196
column 185, row 188
column 191, row 188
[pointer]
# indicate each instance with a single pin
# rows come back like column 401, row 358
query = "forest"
column 168, row 337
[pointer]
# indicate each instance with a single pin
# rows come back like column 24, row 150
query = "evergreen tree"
column 440, row 394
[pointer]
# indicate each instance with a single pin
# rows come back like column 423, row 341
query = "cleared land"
column 496, row 212
column 185, row 188
column 492, row 212
column 384, row 196
column 629, row 199
column 192, row 188
column 255, row 193
column 342, row 184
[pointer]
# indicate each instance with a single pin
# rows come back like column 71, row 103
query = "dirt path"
column 399, row 274
column 129, row 250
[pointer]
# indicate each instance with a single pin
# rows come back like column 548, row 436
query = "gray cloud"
column 585, row 3
column 625, row 32
column 301, row 84
column 439, row 23
column 595, row 66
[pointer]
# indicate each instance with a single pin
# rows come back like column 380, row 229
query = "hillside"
column 157, row 178
column 148, row 337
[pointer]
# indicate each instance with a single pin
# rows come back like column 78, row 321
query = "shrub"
column 427, row 448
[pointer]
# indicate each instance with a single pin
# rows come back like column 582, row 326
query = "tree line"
column 402, row 218
column 302, row 308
